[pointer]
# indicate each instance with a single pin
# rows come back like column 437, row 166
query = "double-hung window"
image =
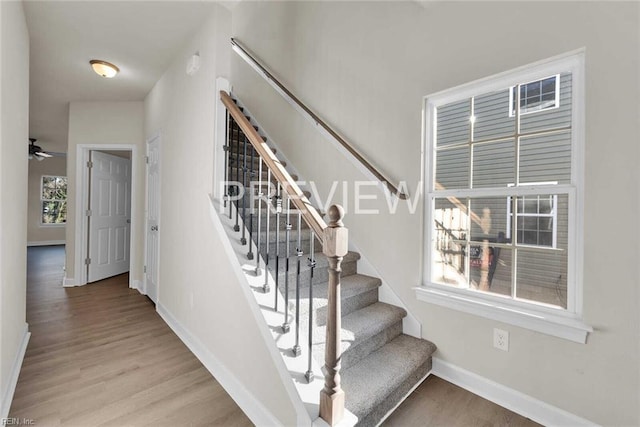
column 503, row 205
column 54, row 200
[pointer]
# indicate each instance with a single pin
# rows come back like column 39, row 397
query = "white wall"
column 36, row 232
column 365, row 67
column 14, row 134
column 197, row 285
column 105, row 123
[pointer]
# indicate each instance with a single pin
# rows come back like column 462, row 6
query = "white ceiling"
column 140, row 37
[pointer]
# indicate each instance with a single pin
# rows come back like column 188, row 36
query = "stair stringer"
column 410, row 324
column 237, row 258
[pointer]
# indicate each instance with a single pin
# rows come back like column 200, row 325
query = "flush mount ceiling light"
column 104, row 68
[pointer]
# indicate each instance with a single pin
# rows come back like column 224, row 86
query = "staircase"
column 380, row 365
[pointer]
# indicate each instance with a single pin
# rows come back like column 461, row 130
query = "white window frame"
column 42, row 200
column 512, row 111
column 564, row 323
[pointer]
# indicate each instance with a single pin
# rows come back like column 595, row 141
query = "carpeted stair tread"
column 376, row 384
column 362, row 332
column 366, row 322
column 358, row 291
column 320, row 274
column 253, row 175
column 235, row 159
column 321, row 263
column 352, row 285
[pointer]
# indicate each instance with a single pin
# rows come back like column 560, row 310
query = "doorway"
column 109, row 214
column 106, row 213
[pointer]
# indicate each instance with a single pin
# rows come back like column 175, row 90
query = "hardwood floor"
column 101, row 355
column 437, row 402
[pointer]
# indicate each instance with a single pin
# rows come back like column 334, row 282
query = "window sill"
column 558, row 326
column 53, row 225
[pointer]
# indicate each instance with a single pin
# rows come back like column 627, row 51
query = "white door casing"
column 152, row 232
column 110, row 216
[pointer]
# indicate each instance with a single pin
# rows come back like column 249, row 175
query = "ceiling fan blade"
column 43, row 154
column 56, row 154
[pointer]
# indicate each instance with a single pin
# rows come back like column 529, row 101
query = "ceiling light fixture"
column 104, row 68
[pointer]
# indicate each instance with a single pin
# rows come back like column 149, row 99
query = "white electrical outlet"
column 501, row 339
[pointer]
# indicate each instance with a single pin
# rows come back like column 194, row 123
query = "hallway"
column 101, row 355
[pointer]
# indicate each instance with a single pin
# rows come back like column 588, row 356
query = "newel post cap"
column 335, row 242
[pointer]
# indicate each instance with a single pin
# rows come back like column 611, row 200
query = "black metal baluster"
column 237, row 191
column 285, row 325
column 225, row 147
column 278, row 212
column 312, row 265
column 243, row 240
column 265, row 287
column 296, row 348
column 260, row 195
column 251, row 202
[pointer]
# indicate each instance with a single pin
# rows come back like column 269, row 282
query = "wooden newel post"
column 335, row 247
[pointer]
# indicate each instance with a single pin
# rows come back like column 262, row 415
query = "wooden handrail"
column 300, row 201
column 314, row 117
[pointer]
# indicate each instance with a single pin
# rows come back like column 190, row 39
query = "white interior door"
column 110, row 216
column 153, row 219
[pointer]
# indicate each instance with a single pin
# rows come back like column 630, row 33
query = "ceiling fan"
column 36, row 152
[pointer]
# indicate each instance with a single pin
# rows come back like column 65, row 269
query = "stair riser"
column 234, row 149
column 320, row 274
column 349, row 305
column 237, row 174
column 233, row 165
column 248, row 199
column 233, row 159
column 394, row 398
column 282, row 246
column 273, row 224
column 356, row 353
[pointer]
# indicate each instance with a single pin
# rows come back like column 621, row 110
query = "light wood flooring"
column 100, row 355
column 437, row 402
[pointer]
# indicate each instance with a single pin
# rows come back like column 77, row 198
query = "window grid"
column 520, row 215
column 53, row 196
column 514, row 246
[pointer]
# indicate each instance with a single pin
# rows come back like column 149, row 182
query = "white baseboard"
column 69, row 282
column 506, row 397
column 7, row 396
column 47, row 243
column 137, row 285
column 252, row 407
